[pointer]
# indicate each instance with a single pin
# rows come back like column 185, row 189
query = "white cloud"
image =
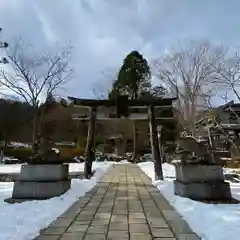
column 104, row 31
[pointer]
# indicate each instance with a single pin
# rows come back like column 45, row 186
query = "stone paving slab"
column 124, row 205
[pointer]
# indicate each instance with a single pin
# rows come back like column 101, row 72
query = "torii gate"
column 121, row 108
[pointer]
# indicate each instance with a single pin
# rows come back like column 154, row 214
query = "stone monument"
column 43, row 177
column 199, row 175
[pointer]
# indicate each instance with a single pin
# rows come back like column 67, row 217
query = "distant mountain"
column 10, row 97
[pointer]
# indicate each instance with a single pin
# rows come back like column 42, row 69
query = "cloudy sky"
column 102, row 32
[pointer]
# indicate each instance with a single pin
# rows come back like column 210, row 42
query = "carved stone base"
column 41, row 182
column 192, row 173
column 203, row 191
column 39, row 190
column 201, row 182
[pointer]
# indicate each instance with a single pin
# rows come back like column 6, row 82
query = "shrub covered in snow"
column 23, row 154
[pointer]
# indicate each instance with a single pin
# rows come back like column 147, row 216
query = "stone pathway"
column 123, row 205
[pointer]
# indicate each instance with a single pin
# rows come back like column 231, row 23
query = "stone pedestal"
column 201, row 182
column 40, row 182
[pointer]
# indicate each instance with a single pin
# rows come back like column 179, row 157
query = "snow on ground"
column 209, row 221
column 73, row 167
column 22, row 221
column 124, row 161
column 10, row 168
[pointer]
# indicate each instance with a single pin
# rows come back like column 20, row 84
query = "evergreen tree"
column 133, row 77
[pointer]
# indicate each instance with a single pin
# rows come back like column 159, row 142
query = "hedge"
column 66, row 154
column 23, row 154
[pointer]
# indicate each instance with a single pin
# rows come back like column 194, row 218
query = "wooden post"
column 159, row 133
column 154, row 144
column 90, row 148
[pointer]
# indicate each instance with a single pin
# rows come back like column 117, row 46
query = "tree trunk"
column 40, row 120
column 155, row 145
column 186, row 110
column 37, row 126
column 193, row 120
column 193, row 116
column 90, row 148
column 35, row 130
column 3, row 150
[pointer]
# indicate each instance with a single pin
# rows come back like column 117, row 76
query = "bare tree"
column 188, row 71
column 102, row 86
column 3, row 45
column 228, row 77
column 34, row 77
column 213, row 122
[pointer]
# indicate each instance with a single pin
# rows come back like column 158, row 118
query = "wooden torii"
column 122, row 108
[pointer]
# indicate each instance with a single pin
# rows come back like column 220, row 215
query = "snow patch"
column 209, row 221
